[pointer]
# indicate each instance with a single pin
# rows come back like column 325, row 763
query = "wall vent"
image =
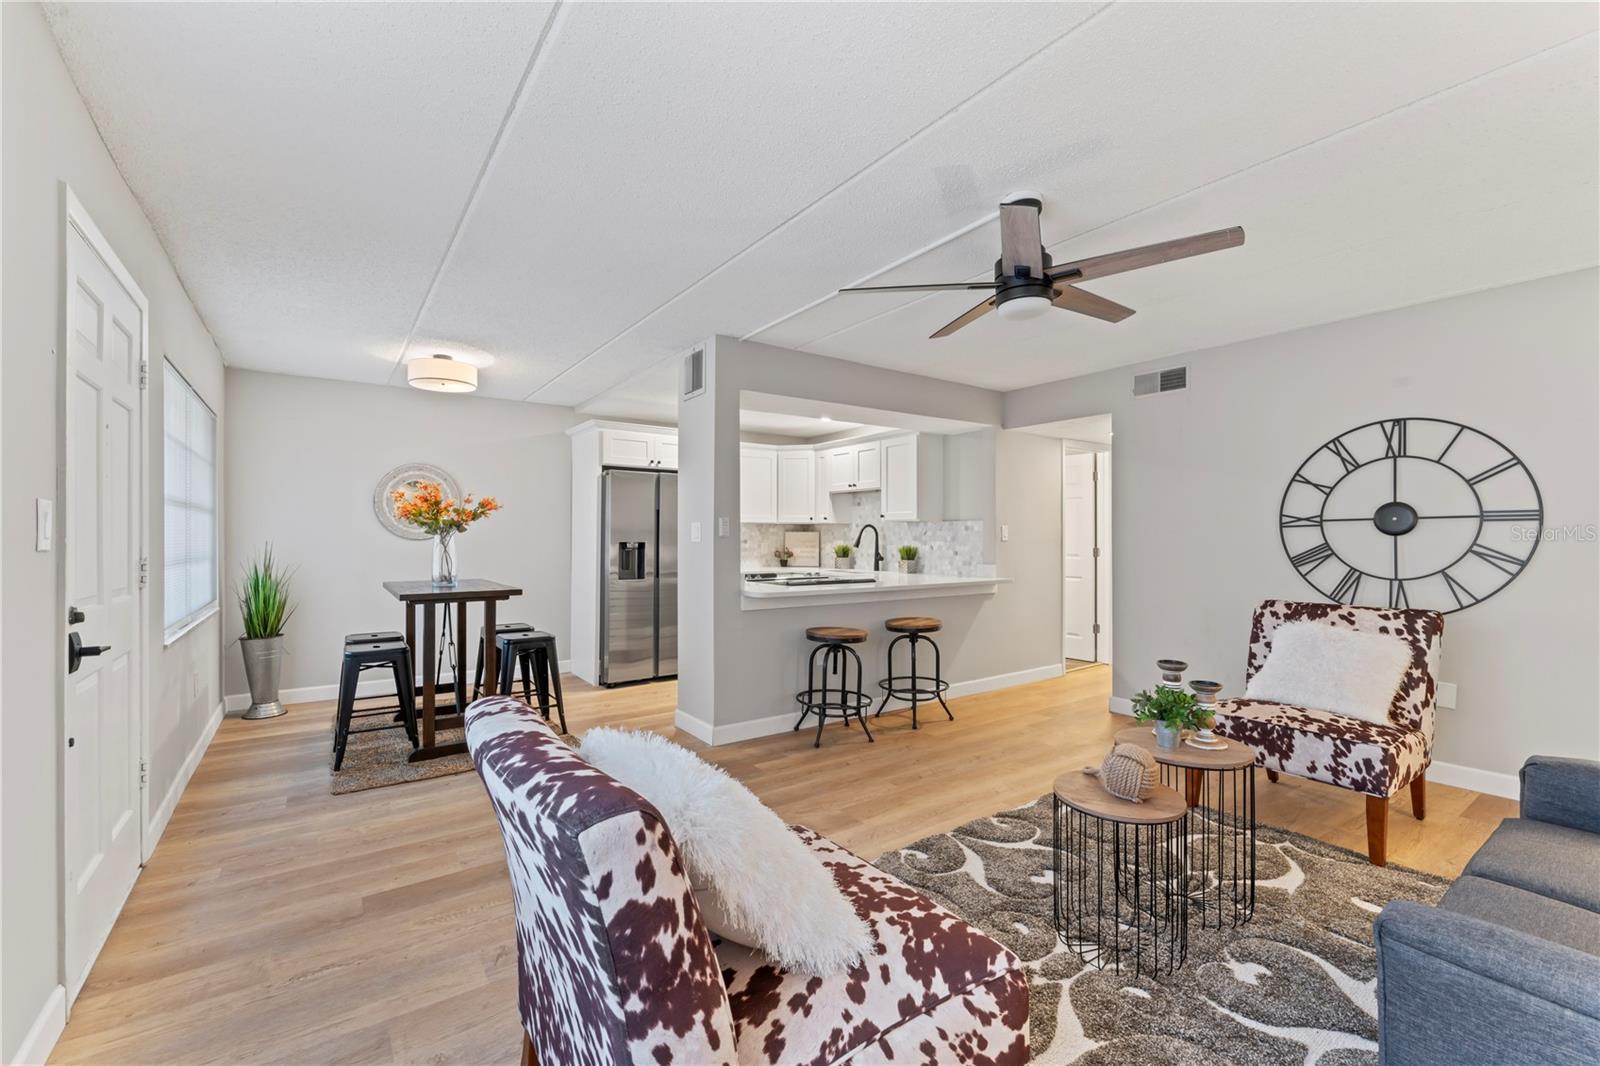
column 694, row 374
column 1169, row 380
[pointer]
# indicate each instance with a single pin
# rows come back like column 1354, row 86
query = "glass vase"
column 444, row 560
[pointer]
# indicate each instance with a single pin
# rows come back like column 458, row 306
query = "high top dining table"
column 426, row 597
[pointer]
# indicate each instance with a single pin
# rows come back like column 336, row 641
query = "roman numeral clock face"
column 1411, row 512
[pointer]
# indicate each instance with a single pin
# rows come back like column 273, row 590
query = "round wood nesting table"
column 1120, row 874
column 1220, row 786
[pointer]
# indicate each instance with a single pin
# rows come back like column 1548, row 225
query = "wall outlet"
column 44, row 524
column 722, row 527
column 694, row 532
column 1446, row 696
column 1005, row 533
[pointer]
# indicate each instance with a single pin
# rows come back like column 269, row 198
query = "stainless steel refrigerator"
column 639, row 593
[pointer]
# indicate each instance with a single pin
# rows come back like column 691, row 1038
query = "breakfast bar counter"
column 856, row 586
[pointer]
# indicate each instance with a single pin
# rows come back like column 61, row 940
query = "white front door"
column 1077, row 555
column 100, row 536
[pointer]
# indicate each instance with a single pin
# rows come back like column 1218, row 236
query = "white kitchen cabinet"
column 912, row 478
column 853, row 467
column 758, row 483
column 797, row 485
column 639, row 448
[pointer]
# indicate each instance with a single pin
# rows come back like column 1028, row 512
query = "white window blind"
column 191, row 505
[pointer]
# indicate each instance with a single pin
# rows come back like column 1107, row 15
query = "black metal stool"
column 500, row 630
column 914, row 688
column 375, row 637
column 833, row 644
column 536, row 652
column 393, row 654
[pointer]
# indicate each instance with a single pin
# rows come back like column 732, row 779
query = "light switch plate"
column 1005, row 533
column 694, row 532
column 722, row 527
column 1446, row 696
column 44, row 524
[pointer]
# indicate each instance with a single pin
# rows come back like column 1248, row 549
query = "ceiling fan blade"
column 1087, row 303
column 1099, row 266
column 953, row 286
column 967, row 318
column 1019, row 239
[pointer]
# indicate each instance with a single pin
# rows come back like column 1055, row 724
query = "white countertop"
column 890, row 585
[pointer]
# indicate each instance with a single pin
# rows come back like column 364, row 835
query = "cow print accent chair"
column 615, row 965
column 1377, row 759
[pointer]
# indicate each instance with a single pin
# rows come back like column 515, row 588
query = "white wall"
column 1200, row 474
column 740, row 667
column 49, row 140
column 303, row 458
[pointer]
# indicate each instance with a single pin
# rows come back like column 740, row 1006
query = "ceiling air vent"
column 1169, row 380
column 694, row 374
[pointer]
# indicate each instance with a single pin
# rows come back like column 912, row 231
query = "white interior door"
column 1077, row 555
column 100, row 527
column 1104, row 542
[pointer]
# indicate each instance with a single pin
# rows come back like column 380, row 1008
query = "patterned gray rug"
column 1294, row 986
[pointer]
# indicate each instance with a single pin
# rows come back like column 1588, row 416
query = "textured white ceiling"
column 584, row 190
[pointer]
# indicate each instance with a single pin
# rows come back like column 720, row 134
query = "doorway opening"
column 1086, row 541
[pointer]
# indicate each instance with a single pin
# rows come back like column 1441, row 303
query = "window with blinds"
column 189, row 459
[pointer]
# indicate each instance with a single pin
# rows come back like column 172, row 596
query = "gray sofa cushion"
column 1550, row 860
column 1517, row 908
column 1562, row 791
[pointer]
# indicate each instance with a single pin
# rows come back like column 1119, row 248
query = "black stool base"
column 827, row 702
column 914, row 688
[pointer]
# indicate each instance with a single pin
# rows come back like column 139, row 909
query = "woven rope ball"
column 1129, row 772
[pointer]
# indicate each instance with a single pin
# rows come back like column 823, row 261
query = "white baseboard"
column 375, row 686
column 999, row 681
column 1489, row 781
column 45, row 1030
column 169, row 803
column 1120, row 705
column 698, row 728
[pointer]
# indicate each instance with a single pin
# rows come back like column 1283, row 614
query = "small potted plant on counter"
column 841, row 557
column 783, row 553
column 1170, row 709
column 908, row 558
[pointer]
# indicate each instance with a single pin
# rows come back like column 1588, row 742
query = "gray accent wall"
column 1200, row 474
column 303, row 458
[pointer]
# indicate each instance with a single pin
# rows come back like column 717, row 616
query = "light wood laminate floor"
column 279, row 923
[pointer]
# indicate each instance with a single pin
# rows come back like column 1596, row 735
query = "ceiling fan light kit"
column 1027, row 283
column 441, row 373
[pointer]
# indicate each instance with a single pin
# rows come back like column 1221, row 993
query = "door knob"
column 77, row 651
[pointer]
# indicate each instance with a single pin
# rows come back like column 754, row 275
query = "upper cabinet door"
column 868, row 458
column 619, row 447
column 664, row 451
column 841, row 469
column 758, row 483
column 899, row 494
column 797, row 485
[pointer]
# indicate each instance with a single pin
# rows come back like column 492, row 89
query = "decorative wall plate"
column 407, row 476
column 1411, row 512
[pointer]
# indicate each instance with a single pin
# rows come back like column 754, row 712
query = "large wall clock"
column 1411, row 512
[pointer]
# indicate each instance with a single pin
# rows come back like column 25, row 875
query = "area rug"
column 378, row 759
column 1294, row 986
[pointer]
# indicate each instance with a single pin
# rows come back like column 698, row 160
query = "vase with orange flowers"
column 430, row 510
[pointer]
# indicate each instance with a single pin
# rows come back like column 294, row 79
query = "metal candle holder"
column 1206, row 693
column 1171, row 672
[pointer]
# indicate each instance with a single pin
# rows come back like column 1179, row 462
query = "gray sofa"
column 1506, row 969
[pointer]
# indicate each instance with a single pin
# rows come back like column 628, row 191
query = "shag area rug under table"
column 1294, row 986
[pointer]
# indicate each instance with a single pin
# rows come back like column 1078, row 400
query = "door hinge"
column 144, row 373
column 144, row 570
column 1097, row 629
column 144, row 772
column 1097, row 553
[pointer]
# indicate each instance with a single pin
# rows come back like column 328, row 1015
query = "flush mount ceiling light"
column 442, row 373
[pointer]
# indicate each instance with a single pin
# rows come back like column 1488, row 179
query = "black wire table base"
column 1222, row 845
column 1121, row 899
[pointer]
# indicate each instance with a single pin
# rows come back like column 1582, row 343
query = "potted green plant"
column 1172, row 710
column 783, row 553
column 841, row 556
column 264, row 608
column 908, row 558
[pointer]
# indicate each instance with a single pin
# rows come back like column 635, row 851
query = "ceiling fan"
column 1026, row 283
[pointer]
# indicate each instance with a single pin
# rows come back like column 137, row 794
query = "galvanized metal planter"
column 263, row 665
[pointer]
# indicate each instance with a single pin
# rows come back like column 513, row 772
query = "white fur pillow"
column 1329, row 668
column 756, row 882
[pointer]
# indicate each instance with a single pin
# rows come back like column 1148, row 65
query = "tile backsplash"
column 954, row 549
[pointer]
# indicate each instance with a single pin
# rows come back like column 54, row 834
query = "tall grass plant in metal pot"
column 265, row 608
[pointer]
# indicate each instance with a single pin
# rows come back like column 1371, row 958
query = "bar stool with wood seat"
column 369, row 655
column 914, row 688
column 500, row 629
column 535, row 651
column 833, row 645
